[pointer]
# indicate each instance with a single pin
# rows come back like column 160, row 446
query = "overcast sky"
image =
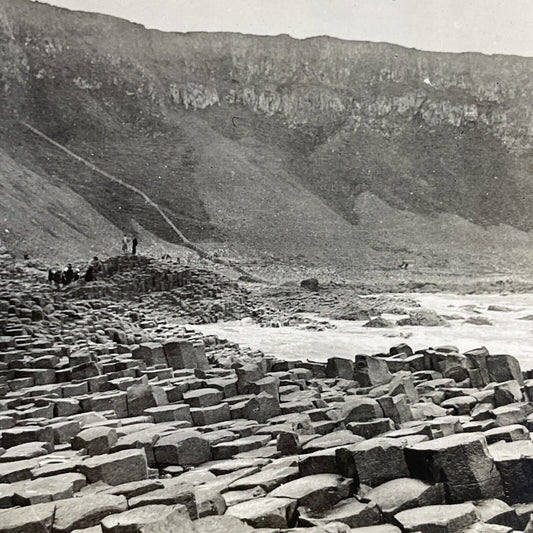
column 489, row 26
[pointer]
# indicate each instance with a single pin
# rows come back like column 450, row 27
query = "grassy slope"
column 48, row 220
column 315, row 187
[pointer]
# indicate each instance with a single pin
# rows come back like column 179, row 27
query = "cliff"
column 249, row 140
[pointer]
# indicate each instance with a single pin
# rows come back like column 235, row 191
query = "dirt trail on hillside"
column 186, row 242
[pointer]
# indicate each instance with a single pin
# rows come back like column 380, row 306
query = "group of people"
column 63, row 277
column 69, row 274
column 126, row 242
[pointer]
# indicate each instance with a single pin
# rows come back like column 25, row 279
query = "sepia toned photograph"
column 266, row 266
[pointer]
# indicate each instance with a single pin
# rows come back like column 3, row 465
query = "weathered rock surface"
column 400, row 494
column 462, row 462
column 268, row 512
column 318, row 492
column 134, row 519
column 131, row 422
column 433, row 518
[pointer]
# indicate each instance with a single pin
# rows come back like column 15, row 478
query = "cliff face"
column 427, row 133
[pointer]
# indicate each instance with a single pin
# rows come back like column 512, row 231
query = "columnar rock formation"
column 111, row 424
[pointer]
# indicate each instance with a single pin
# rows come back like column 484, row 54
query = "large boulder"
column 22, row 435
column 180, row 353
column 400, row 494
column 221, row 524
column 359, row 409
column 116, row 468
column 378, row 322
column 507, row 392
column 371, row 429
column 175, row 412
column 110, row 401
column 85, row 512
column 270, row 512
column 225, row 450
column 485, row 368
column 462, row 462
column 28, row 450
column 176, row 494
column 514, row 462
column 268, row 478
column 151, row 353
column 96, row 440
column 370, row 371
column 143, row 396
column 318, row 492
column 422, row 317
column 133, row 520
column 262, row 407
column 496, row 511
column 47, row 489
column 373, row 462
column 33, row 519
column 504, row 368
column 246, row 375
column 146, row 439
column 319, row 462
column 185, row 448
column 438, row 518
column 396, row 408
column 351, row 512
column 203, row 397
column 311, row 284
column 339, row 367
column 331, row 440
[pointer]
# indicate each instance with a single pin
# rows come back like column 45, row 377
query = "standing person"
column 125, row 244
column 89, row 274
column 68, row 275
column 96, row 266
column 134, row 243
column 57, row 278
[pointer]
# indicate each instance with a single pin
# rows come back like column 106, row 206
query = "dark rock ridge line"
column 108, row 424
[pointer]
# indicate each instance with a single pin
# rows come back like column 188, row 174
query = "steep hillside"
column 343, row 152
column 41, row 218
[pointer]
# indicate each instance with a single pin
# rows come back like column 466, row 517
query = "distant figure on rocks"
column 57, row 278
column 89, row 274
column 68, row 275
column 50, row 276
column 96, row 266
column 125, row 241
column 134, row 243
column 310, row 284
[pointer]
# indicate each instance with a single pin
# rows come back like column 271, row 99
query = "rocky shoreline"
column 117, row 418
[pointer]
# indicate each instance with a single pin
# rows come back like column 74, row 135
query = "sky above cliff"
column 488, row 26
